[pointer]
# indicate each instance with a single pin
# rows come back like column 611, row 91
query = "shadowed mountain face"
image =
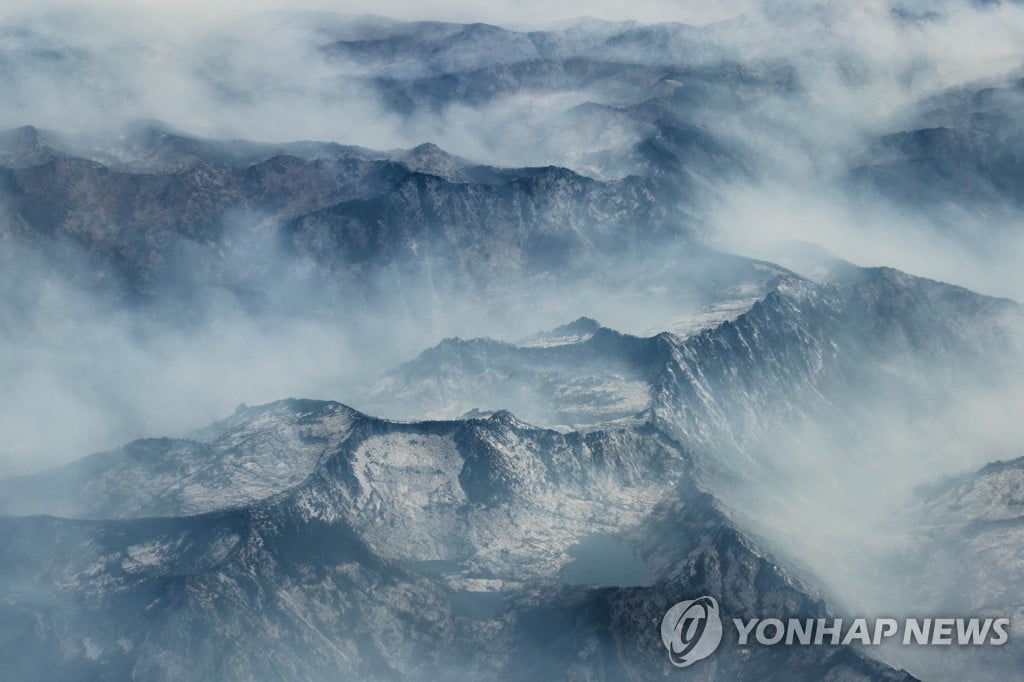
column 964, row 150
column 634, row 153
column 184, row 215
column 952, row 165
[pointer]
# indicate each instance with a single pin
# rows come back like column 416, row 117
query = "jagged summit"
column 27, row 146
column 578, row 330
column 23, row 137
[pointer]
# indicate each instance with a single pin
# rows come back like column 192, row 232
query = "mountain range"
column 609, row 398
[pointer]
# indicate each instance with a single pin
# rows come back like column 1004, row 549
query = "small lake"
column 477, row 605
column 603, row 560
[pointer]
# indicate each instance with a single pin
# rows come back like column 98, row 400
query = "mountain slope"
column 183, row 214
column 413, row 551
column 255, row 454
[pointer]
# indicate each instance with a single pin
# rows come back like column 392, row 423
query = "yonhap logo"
column 691, row 630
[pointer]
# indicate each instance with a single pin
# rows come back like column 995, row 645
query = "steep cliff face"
column 806, row 349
